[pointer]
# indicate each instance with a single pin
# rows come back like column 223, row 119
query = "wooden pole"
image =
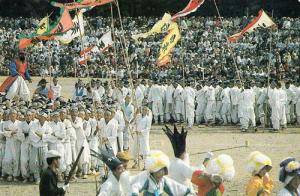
column 233, row 57
column 113, row 37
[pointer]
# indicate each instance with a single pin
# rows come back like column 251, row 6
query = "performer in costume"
column 260, row 183
column 210, row 181
column 117, row 183
column 15, row 84
column 180, row 169
column 289, row 175
column 153, row 181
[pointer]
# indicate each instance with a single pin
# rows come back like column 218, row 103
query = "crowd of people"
column 203, row 48
column 219, row 84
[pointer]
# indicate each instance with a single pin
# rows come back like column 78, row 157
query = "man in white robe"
column 38, row 136
column 69, row 142
column 169, row 105
column 56, row 140
column 156, row 96
column 11, row 160
column 56, row 88
column 110, row 132
column 81, row 136
column 25, row 145
column 246, row 104
column 209, row 114
column 189, row 104
column 178, row 99
column 128, row 111
column 201, row 103
column 226, row 105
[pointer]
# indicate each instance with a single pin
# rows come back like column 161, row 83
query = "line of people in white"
column 25, row 138
column 211, row 102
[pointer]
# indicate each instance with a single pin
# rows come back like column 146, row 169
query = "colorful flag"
column 262, row 21
column 161, row 26
column 26, row 42
column 191, row 7
column 81, row 4
column 105, row 43
column 168, row 44
column 43, row 26
column 78, row 28
column 63, row 24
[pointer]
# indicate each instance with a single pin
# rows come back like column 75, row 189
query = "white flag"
column 105, row 41
column 78, row 28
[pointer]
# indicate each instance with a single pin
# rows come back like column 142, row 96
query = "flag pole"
column 113, row 37
column 228, row 45
column 126, row 60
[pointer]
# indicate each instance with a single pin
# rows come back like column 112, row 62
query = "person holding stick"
column 48, row 185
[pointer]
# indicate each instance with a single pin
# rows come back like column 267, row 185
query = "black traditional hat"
column 107, row 156
column 178, row 140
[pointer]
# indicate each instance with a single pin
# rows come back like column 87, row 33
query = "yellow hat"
column 156, row 161
column 124, row 156
column 221, row 166
column 257, row 161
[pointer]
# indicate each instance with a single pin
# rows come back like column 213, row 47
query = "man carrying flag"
column 15, row 84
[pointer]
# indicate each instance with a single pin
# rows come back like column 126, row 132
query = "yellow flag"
column 161, row 26
column 43, row 26
column 169, row 42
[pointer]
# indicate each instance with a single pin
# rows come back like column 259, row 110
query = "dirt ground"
column 277, row 146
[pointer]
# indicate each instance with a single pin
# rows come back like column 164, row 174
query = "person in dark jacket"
column 48, row 184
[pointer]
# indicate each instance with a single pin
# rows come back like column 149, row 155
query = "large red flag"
column 191, row 7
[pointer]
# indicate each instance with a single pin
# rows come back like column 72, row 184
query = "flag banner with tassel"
column 168, row 44
column 161, row 26
column 190, row 8
column 261, row 21
column 81, row 4
column 77, row 28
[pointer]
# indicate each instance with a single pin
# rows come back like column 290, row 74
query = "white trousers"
column 20, row 88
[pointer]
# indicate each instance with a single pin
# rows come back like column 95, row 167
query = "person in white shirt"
column 56, row 140
column 56, row 88
column 156, row 96
column 24, row 135
column 169, row 103
column 209, row 114
column 142, row 134
column 189, row 103
column 246, row 106
column 78, row 125
column 290, row 104
column 93, row 139
column 69, row 142
column 226, row 105
column 128, row 111
column 289, row 176
column 201, row 103
column 154, row 181
column 298, row 102
column 11, row 160
column 38, row 136
column 234, row 97
column 178, row 100
column 110, row 132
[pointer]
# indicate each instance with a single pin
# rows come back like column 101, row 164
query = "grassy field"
column 277, row 146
